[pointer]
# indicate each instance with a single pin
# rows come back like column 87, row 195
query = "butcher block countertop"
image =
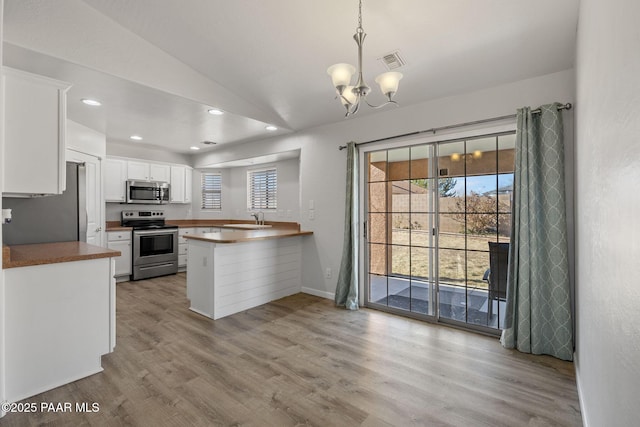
column 191, row 223
column 237, row 236
column 228, row 223
column 51, row 253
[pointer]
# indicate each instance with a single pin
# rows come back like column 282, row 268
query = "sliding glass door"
column 437, row 214
column 401, row 217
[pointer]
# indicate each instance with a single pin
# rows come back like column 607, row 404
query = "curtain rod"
column 566, row 106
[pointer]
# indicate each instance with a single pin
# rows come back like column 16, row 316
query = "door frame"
column 507, row 125
column 73, row 155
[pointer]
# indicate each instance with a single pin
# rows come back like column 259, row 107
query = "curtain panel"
column 347, row 287
column 538, row 317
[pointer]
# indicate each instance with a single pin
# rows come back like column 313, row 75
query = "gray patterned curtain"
column 347, row 287
column 538, row 315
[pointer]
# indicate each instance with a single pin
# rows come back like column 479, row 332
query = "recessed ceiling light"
column 91, row 102
column 216, row 112
column 271, row 128
column 136, row 137
column 193, row 147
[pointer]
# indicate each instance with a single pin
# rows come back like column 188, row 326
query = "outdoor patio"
column 416, row 296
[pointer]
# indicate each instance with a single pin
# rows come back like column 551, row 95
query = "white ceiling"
column 158, row 65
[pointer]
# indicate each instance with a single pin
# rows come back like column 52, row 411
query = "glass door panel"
column 400, row 235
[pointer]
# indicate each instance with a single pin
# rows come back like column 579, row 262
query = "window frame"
column 271, row 194
column 213, row 191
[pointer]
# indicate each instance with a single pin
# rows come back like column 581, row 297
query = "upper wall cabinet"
column 35, row 128
column 181, row 184
column 118, row 170
column 142, row 171
column 115, row 175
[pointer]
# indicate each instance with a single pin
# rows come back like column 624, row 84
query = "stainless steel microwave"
column 147, row 192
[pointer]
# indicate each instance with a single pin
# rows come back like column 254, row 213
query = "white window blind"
column 262, row 189
column 211, row 191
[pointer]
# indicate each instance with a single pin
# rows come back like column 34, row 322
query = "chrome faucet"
column 259, row 216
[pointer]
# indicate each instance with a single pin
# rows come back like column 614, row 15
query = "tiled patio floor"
column 415, row 296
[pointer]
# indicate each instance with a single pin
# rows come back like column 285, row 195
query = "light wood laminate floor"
column 300, row 361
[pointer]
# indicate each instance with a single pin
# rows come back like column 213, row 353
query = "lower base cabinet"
column 121, row 241
column 59, row 320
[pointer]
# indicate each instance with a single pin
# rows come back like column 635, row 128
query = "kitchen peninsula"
column 232, row 271
column 59, row 314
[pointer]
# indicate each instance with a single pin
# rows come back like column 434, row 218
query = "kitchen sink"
column 247, row 226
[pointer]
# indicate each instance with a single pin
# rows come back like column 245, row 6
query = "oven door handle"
column 157, row 231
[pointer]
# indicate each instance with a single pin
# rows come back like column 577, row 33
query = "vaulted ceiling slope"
column 160, row 64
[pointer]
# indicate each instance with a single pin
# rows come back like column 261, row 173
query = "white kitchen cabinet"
column 121, row 241
column 115, row 176
column 181, row 177
column 188, row 181
column 177, row 184
column 138, row 170
column 143, row 171
column 159, row 172
column 182, row 245
column 35, row 129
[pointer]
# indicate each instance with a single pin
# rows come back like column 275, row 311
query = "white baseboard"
column 583, row 410
column 321, row 294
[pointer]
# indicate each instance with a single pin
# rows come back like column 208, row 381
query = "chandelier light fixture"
column 352, row 95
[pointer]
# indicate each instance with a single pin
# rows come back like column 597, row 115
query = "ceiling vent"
column 209, row 143
column 392, row 60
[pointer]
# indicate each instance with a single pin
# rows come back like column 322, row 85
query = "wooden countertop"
column 238, row 236
column 193, row 223
column 52, row 253
column 188, row 223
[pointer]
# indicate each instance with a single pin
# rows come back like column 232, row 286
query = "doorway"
column 431, row 211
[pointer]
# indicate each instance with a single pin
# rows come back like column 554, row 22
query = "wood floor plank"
column 301, row 361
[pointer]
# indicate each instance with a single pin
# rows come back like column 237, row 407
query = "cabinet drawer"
column 182, row 260
column 115, row 236
column 183, row 249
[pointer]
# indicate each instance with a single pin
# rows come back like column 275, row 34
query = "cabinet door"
column 115, row 177
column 159, row 172
column 138, row 171
column 123, row 262
column 177, row 184
column 188, row 181
column 35, row 128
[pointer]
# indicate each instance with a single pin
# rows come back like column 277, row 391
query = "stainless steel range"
column 155, row 244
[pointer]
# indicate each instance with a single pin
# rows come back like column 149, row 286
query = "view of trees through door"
column 432, row 210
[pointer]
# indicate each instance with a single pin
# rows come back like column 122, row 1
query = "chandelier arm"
column 383, row 104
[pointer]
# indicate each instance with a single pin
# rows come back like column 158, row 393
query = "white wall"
column 323, row 167
column 146, row 152
column 2, row 370
column 234, row 193
column 607, row 203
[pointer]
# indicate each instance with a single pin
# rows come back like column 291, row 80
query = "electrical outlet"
column 312, row 204
column 328, row 273
column 312, row 214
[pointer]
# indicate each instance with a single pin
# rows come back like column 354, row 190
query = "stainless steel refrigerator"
column 59, row 218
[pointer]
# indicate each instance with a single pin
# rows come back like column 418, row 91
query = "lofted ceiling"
column 159, row 65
